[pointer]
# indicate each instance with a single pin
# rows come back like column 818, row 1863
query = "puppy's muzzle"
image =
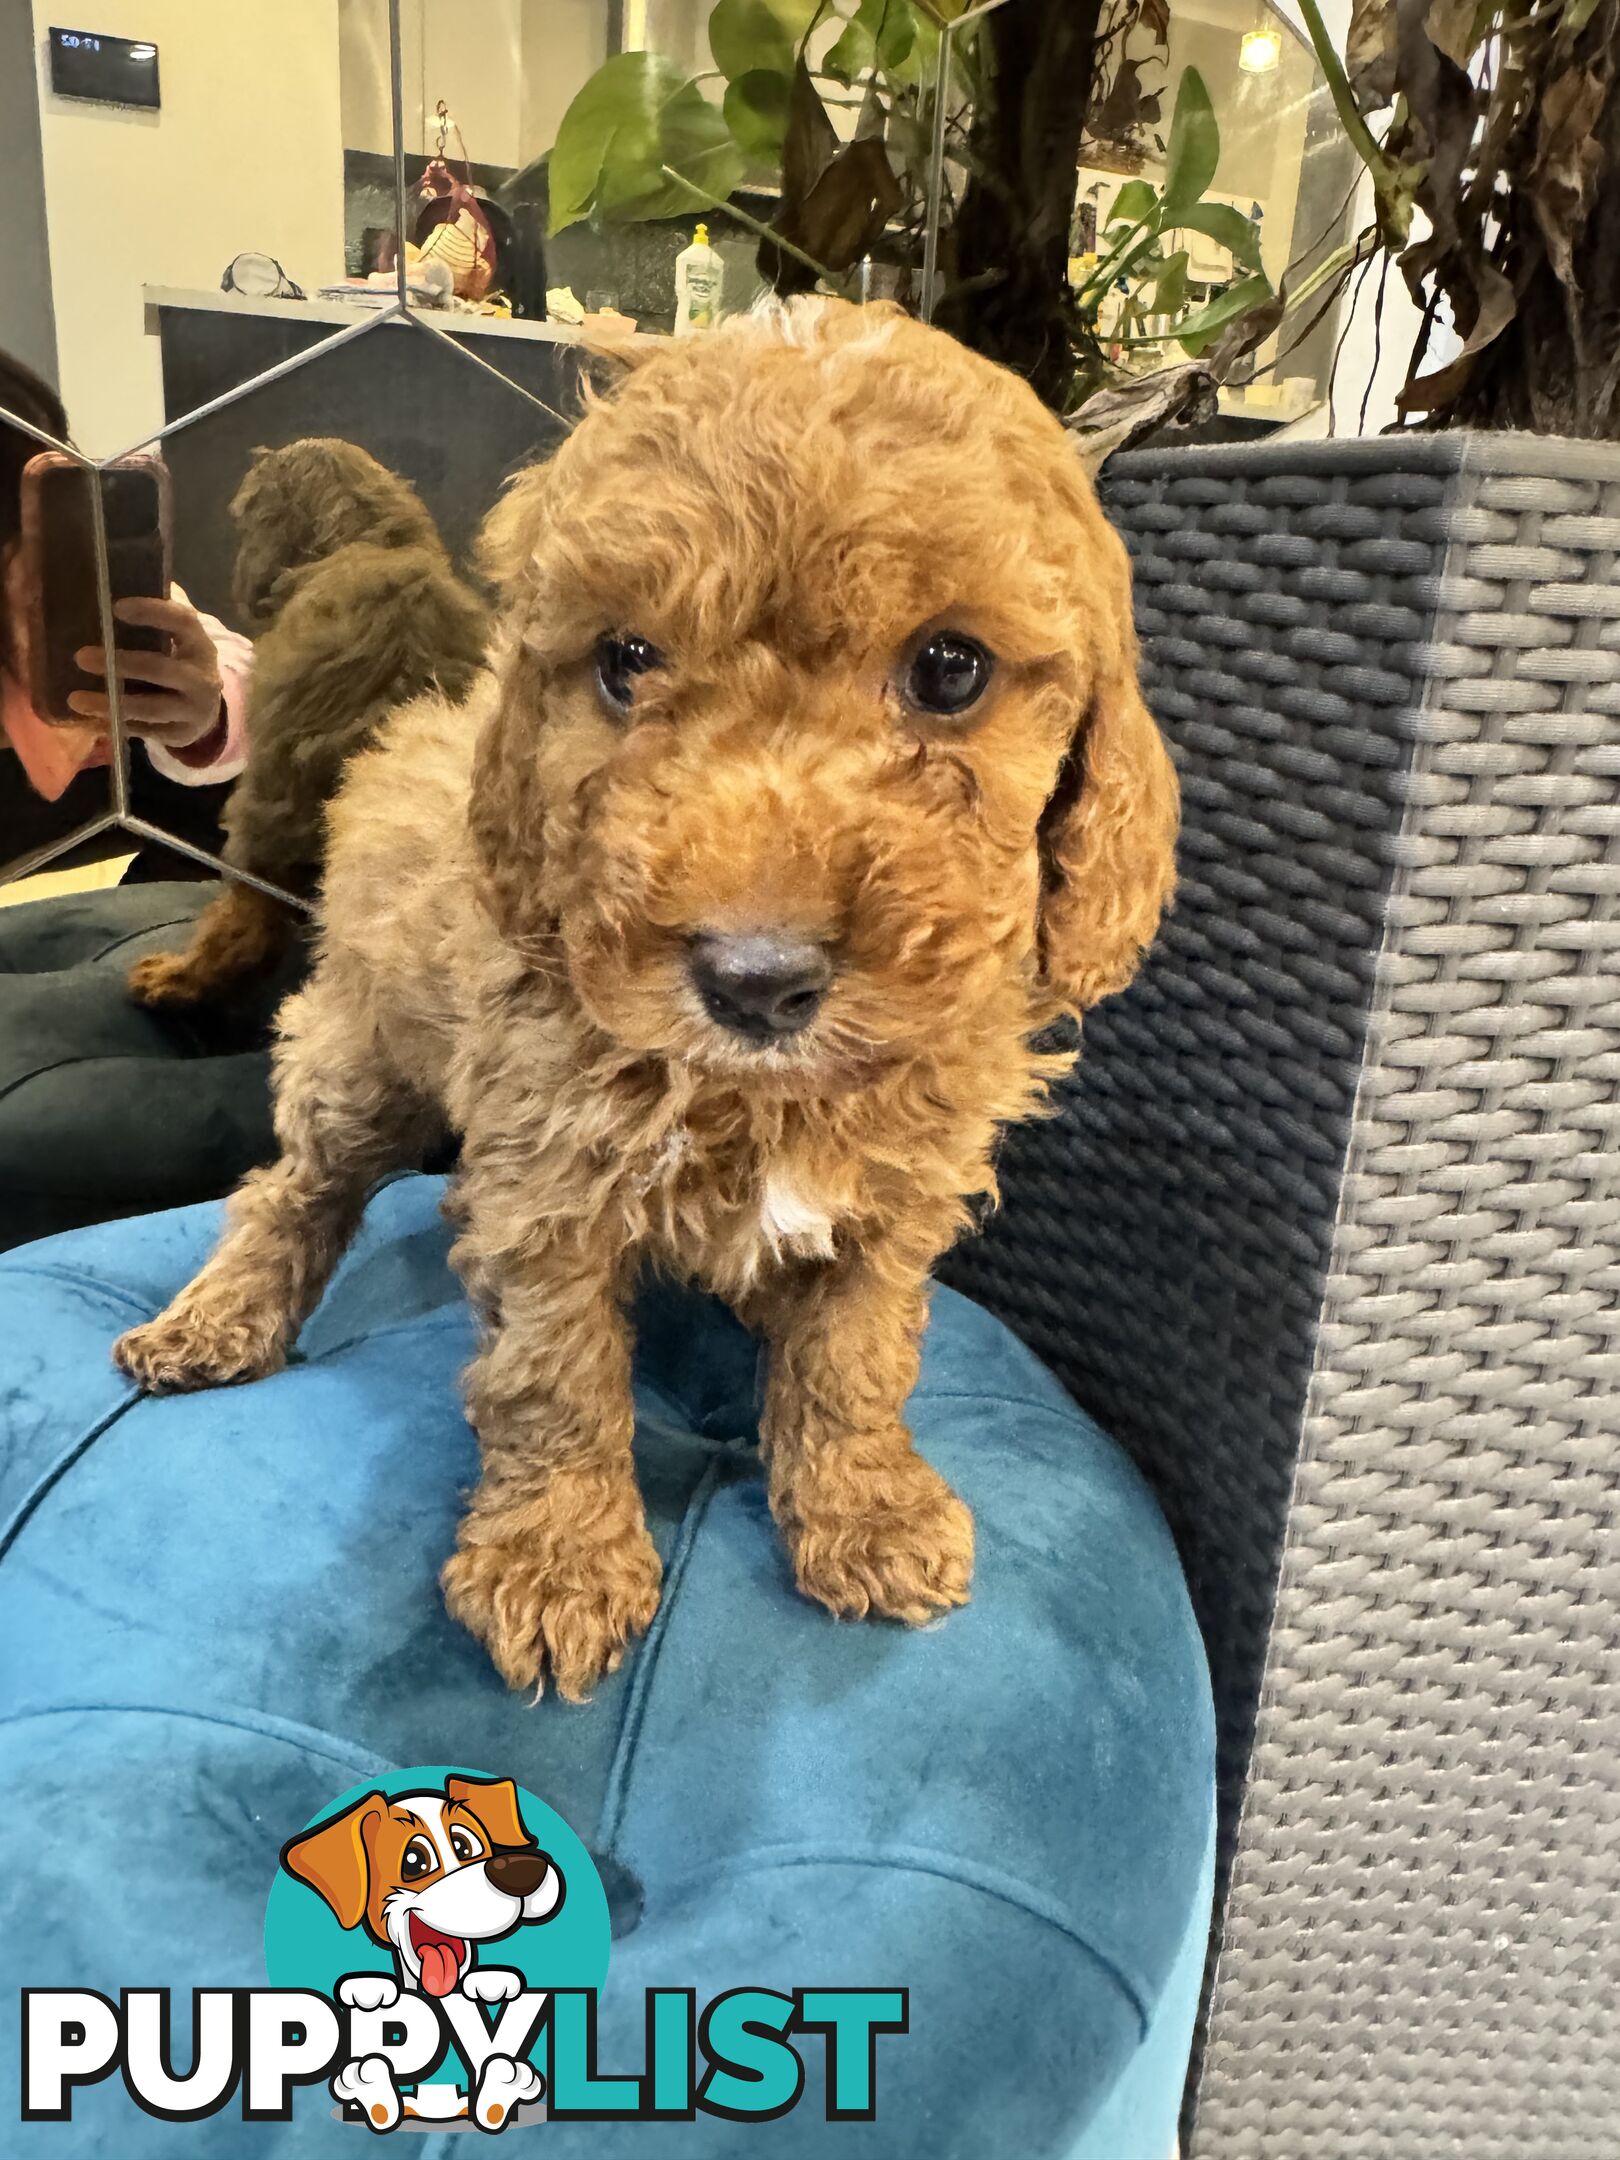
column 761, row 985
column 517, row 1873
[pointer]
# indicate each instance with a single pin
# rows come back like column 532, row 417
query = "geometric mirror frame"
column 396, row 317
column 119, row 815
column 391, row 320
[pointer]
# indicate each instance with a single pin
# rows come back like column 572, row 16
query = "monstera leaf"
column 759, row 36
column 635, row 116
column 880, row 33
column 756, row 108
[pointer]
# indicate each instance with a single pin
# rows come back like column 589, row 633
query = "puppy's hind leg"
column 238, row 938
column 344, row 1117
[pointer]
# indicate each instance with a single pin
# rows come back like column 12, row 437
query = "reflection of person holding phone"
column 184, row 699
column 185, row 703
column 106, row 1109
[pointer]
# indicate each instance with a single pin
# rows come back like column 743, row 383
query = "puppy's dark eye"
column 418, row 1859
column 464, row 1845
column 948, row 674
column 619, row 660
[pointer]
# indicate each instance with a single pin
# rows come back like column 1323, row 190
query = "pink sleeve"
column 222, row 752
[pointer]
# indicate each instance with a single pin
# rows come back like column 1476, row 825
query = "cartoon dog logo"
column 431, row 1876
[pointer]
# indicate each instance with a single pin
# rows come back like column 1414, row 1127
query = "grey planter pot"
column 1329, row 1234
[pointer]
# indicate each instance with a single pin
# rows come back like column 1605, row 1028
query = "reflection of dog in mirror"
column 431, row 1876
column 810, row 782
column 342, row 576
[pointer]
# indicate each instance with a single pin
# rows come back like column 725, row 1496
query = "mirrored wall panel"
column 224, row 187
column 1212, row 167
column 638, row 166
column 245, row 256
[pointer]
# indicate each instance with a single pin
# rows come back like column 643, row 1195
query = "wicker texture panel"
column 1163, row 1243
column 1422, row 1950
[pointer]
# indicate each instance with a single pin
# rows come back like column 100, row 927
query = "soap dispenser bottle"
column 699, row 274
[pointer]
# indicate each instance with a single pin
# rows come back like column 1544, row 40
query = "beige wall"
column 507, row 69
column 564, row 43
column 365, row 90
column 680, row 30
column 472, row 57
column 1262, row 118
column 245, row 153
column 27, row 325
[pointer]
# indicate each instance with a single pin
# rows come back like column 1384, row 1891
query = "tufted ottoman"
column 218, row 1611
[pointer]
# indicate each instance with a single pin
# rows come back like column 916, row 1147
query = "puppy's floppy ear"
column 335, row 1861
column 1108, row 834
column 241, row 503
column 506, row 813
column 506, row 810
column 495, row 1802
column 509, row 535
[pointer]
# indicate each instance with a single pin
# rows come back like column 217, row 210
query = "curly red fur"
column 783, row 508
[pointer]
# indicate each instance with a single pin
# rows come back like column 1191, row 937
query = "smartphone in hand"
column 61, row 612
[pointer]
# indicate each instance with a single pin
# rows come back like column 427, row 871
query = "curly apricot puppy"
column 813, row 779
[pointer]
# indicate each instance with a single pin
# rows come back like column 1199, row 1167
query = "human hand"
column 171, row 698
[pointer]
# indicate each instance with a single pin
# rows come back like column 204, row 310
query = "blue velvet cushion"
column 218, row 1611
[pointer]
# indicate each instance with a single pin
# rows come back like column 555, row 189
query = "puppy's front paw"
column 165, row 981
column 202, row 1342
column 555, row 1585
column 368, row 1991
column 890, row 1538
column 492, row 1984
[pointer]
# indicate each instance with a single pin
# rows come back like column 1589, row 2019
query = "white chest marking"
column 789, row 1218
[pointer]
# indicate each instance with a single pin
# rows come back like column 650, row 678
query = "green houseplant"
column 1495, row 187
column 849, row 114
column 1491, row 134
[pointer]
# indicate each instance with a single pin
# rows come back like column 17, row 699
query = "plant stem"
column 707, row 202
column 1344, row 103
column 1344, row 257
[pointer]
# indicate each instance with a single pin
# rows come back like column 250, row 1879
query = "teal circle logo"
column 428, row 1874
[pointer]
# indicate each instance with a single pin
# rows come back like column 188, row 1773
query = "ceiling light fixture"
column 1260, row 50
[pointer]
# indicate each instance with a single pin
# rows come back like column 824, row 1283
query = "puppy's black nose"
column 517, row 1873
column 762, row 984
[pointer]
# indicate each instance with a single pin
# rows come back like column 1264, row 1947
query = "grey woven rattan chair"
column 1328, row 1234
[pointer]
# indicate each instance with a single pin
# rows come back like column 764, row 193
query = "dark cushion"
column 106, row 1109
